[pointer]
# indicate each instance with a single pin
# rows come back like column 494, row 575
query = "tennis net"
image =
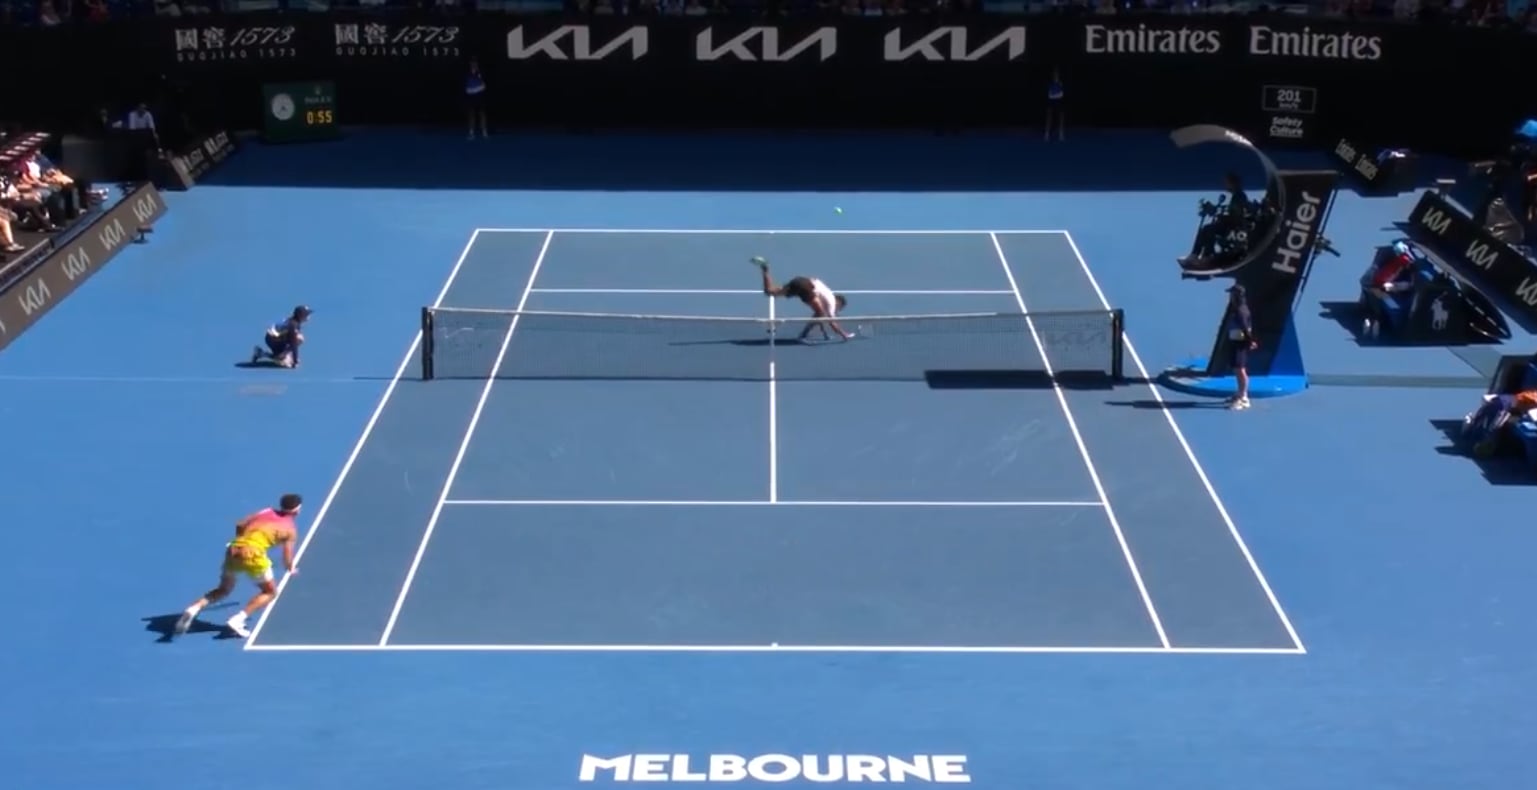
column 460, row 343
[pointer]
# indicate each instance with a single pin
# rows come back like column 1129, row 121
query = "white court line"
column 773, row 399
column 746, row 503
column 1184, row 444
column 786, row 232
column 357, row 449
column 1083, row 449
column 1132, row 650
column 250, row 381
column 464, row 446
column 759, row 292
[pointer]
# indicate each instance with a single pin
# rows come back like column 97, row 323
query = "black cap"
column 303, row 310
column 290, row 502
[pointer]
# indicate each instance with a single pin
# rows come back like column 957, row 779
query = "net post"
column 1117, row 344
column 427, row 344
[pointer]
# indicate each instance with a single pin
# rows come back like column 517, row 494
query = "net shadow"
column 1015, row 380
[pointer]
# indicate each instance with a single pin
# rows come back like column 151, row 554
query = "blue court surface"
column 722, row 578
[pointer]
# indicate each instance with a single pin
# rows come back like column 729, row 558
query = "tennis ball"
column 837, row 210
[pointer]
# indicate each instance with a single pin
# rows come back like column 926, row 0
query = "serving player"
column 813, row 293
column 255, row 535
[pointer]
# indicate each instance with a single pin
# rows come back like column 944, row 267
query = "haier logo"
column 574, row 42
column 1306, row 43
column 775, row 768
column 952, row 45
column 1300, row 230
column 1144, row 40
column 764, row 44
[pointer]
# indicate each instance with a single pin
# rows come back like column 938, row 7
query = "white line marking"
column 747, row 503
column 464, row 446
column 1133, row 650
column 1184, row 444
column 357, row 449
column 759, row 292
column 1083, row 449
column 773, row 398
column 787, row 232
column 250, row 381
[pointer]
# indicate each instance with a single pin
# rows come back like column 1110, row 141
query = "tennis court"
column 712, row 487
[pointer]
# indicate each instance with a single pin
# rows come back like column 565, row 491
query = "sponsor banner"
column 253, row 38
column 916, row 71
column 25, row 302
column 1489, row 264
column 191, row 164
column 1358, row 161
column 1275, row 274
column 774, row 768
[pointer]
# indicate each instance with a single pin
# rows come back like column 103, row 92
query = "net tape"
column 464, row 343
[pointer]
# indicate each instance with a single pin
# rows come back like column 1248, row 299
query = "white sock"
column 239, row 617
column 194, row 609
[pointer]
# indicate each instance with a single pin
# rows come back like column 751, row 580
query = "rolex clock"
column 299, row 112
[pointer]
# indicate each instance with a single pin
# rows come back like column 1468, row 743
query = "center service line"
column 357, row 449
column 464, row 445
column 1083, row 449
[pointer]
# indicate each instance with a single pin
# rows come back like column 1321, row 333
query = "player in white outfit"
column 814, row 294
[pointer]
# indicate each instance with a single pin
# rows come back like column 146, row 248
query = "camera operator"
column 1234, row 216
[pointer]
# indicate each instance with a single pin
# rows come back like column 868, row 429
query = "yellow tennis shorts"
column 256, row 566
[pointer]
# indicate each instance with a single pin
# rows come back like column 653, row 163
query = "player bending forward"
column 255, row 535
column 814, row 294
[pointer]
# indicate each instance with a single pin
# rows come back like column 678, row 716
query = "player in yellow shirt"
column 255, row 535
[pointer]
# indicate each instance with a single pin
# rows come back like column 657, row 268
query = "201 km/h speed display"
column 300, row 112
column 1290, row 98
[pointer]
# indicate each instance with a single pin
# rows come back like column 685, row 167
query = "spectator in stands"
column 26, row 205
column 7, row 238
column 56, row 190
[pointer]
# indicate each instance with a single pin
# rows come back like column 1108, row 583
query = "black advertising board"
column 188, row 166
column 1293, row 75
column 1476, row 257
column 67, row 268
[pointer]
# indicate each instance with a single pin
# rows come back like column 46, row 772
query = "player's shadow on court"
column 164, row 626
column 1501, row 470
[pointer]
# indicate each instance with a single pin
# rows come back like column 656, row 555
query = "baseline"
column 787, row 232
column 755, row 292
column 910, row 649
column 1083, row 449
column 1179, row 435
column 357, row 448
column 753, row 503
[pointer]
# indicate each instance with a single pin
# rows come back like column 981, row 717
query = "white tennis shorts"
column 826, row 296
